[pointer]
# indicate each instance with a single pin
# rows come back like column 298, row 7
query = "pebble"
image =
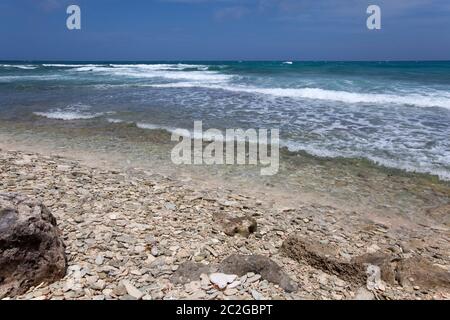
column 257, row 295
column 99, row 260
column 132, row 290
column 221, row 280
column 254, row 278
column 230, row 292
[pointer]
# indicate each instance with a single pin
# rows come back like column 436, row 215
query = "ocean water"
column 396, row 114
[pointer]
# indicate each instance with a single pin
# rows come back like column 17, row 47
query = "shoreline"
column 110, row 217
column 348, row 183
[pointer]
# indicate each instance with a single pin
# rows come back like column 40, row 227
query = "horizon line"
column 222, row 60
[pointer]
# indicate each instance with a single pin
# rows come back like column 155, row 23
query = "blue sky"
column 225, row 30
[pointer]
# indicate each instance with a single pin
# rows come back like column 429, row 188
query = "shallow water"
column 350, row 184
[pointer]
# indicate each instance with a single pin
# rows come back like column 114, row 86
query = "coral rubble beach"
column 133, row 234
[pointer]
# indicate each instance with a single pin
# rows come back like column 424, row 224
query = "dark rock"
column 394, row 269
column 323, row 257
column 268, row 269
column 190, row 271
column 235, row 225
column 386, row 263
column 31, row 250
column 238, row 265
column 423, row 273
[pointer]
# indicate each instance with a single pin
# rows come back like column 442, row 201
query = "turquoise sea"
column 396, row 114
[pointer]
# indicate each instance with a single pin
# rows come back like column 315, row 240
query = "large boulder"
column 31, row 250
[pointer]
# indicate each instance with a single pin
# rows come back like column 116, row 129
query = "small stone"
column 254, row 278
column 120, row 290
column 198, row 295
column 221, row 280
column 339, row 283
column 107, row 292
column 364, row 294
column 257, row 295
column 154, row 251
column 170, row 206
column 405, row 247
column 68, row 285
column 132, row 290
column 99, row 260
column 234, row 284
column 199, row 258
column 373, row 248
column 99, row 285
column 374, row 278
column 230, row 292
column 204, row 280
column 150, row 259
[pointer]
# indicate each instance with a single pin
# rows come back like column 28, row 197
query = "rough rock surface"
column 31, row 250
column 323, row 257
column 236, row 225
column 268, row 269
column 190, row 271
column 394, row 269
column 240, row 265
column 420, row 272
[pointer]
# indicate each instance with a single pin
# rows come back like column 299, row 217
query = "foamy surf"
column 23, row 67
column 435, row 99
column 408, row 166
column 198, row 73
column 72, row 112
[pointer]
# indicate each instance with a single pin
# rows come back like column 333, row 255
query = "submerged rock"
column 31, row 250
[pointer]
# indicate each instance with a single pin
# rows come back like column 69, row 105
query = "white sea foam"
column 189, row 133
column 56, row 65
column 72, row 112
column 111, row 120
column 30, row 77
column 24, row 67
column 434, row 99
column 408, row 166
column 166, row 71
column 420, row 100
column 67, row 115
column 150, row 126
column 179, row 66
